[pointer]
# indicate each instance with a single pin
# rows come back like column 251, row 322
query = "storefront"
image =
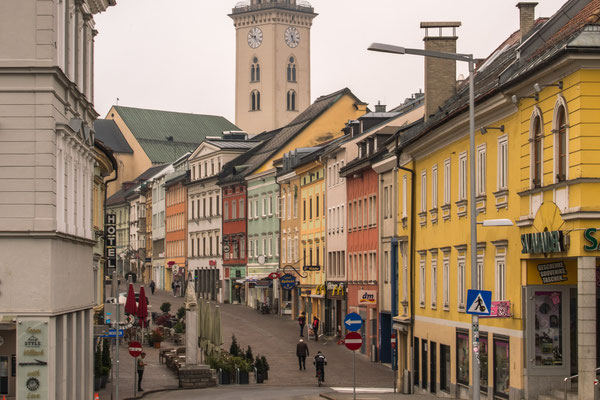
column 235, row 284
column 8, row 359
column 335, row 308
column 362, row 299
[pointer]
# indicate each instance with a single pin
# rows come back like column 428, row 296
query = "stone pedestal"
column 196, row 377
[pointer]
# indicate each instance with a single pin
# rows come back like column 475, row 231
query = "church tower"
column 272, row 74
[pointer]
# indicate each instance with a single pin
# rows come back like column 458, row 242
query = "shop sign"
column 559, row 272
column 367, row 297
column 212, row 263
column 311, row 268
column 499, row 309
column 543, row 242
column 336, row 289
column 288, row 282
column 593, row 242
column 32, row 354
column 110, row 241
column 552, row 272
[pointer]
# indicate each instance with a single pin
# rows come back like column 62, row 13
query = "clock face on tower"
column 255, row 37
column 292, row 36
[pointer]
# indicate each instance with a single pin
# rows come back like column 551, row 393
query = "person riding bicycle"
column 320, row 363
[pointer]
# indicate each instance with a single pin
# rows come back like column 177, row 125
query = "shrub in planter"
column 97, row 368
column 156, row 338
column 165, row 307
column 261, row 372
column 180, row 312
column 105, row 373
column 234, row 349
column 249, row 356
column 265, row 366
column 244, row 369
column 164, row 320
column 179, row 327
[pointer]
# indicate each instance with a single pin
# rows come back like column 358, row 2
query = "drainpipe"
column 412, row 258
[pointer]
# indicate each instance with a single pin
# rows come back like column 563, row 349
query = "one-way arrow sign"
column 353, row 322
column 479, row 302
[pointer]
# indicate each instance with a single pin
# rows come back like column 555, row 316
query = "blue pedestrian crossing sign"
column 353, row 322
column 479, row 302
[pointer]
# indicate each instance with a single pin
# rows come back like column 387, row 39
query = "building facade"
column 176, row 232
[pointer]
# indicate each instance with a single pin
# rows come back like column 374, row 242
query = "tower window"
column 291, row 70
column 255, row 100
column 255, row 71
column 291, row 100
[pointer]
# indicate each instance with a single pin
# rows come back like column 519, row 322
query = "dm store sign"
column 32, row 357
column 366, row 297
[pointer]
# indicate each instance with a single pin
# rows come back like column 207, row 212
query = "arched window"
column 537, row 148
column 255, row 70
column 255, row 100
column 291, row 70
column 561, row 140
column 291, row 100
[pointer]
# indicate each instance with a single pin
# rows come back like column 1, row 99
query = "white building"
column 47, row 164
column 158, row 227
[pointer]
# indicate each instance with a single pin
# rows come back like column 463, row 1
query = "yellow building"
column 536, row 165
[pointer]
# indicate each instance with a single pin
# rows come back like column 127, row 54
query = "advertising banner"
column 32, row 360
column 366, row 297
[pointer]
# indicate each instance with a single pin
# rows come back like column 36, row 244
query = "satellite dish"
column 261, row 259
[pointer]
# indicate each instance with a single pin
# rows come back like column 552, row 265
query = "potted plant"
column 234, row 349
column 265, row 366
column 97, row 368
column 249, row 356
column 244, row 370
column 260, row 377
column 165, row 307
column 179, row 327
column 157, row 337
column 180, row 313
column 106, row 361
column 105, row 373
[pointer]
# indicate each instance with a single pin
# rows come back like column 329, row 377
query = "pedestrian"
column 152, row 286
column 302, row 322
column 315, row 327
column 173, row 287
column 302, row 353
column 140, row 370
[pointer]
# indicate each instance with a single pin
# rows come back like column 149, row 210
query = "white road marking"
column 363, row 390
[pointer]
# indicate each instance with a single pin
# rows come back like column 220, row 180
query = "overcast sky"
column 179, row 55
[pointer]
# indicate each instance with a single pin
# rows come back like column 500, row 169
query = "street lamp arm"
column 388, row 48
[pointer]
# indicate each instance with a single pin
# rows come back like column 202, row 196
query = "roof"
column 109, row 133
column 513, row 61
column 233, row 144
column 121, row 195
column 151, row 129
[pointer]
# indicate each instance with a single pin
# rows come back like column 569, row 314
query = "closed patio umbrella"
column 142, row 311
column 217, row 337
column 130, row 304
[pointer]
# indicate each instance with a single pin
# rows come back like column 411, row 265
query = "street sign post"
column 113, row 333
column 353, row 322
column 135, row 349
column 353, row 341
column 479, row 302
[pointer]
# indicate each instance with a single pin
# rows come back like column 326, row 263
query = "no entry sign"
column 353, row 341
column 135, row 349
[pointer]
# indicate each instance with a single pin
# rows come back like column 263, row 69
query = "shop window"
column 501, row 368
column 462, row 358
column 445, row 368
column 548, row 328
column 483, row 359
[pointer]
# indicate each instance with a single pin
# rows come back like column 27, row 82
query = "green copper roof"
column 151, row 128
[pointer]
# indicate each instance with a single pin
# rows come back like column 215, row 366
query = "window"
column 270, row 204
column 500, row 273
column 282, row 206
column 480, row 271
column 404, row 196
column 537, row 149
column 385, row 202
column 255, row 100
column 264, row 206
column 310, row 208
column 433, row 281
column 422, row 280
column 291, row 70
column 447, row 181
column 256, row 208
column 242, row 210
column 434, row 187
column 462, row 357
column 365, row 213
column 460, row 284
column 503, row 162
column 270, row 246
column 277, row 245
column 386, row 265
column 446, row 282
column 561, row 144
column 289, row 207
column 462, row 176
column 291, row 100
column 226, row 211
column 304, row 210
column 317, row 208
column 255, row 71
column 481, row 169
column 423, row 191
column 233, row 210
column 350, row 215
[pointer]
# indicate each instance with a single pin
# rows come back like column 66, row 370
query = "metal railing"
column 570, row 378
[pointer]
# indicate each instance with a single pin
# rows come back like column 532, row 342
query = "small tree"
column 265, row 364
column 98, row 361
column 249, row 355
column 106, row 361
column 234, row 349
column 165, row 307
column 181, row 312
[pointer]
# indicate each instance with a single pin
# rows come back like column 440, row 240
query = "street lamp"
column 468, row 58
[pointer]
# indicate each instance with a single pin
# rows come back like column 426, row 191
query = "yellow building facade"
column 537, row 165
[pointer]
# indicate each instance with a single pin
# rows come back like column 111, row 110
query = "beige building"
column 272, row 62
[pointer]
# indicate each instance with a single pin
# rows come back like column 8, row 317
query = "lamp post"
column 468, row 58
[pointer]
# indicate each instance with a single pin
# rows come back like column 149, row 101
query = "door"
column 432, row 366
column 501, row 367
column 416, row 362
column 3, row 374
column 424, row 364
column 445, row 368
column 385, row 348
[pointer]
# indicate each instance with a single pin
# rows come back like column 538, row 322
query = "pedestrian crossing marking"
column 479, row 302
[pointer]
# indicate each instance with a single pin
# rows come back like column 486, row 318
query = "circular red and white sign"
column 353, row 341
column 135, row 349
column 273, row 275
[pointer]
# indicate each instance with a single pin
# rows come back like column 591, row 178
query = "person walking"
column 302, row 322
column 315, row 327
column 302, row 353
column 140, row 370
column 173, row 287
column 152, row 286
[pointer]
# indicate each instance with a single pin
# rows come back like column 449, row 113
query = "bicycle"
column 322, row 339
column 320, row 377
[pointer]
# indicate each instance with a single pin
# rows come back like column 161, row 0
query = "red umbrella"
column 142, row 311
column 130, row 306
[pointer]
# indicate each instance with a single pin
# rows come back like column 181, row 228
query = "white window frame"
column 481, row 169
column 481, row 270
column 423, row 191
column 270, row 204
column 434, row 187
column 446, row 282
column 463, row 170
column 500, row 275
column 461, row 282
column 447, row 181
column 264, row 206
column 404, row 196
column 560, row 101
column 422, row 273
column 434, row 277
column 502, row 162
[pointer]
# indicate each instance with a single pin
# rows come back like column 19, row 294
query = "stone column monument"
column 191, row 324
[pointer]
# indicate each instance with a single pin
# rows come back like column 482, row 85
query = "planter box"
column 244, row 378
column 157, row 345
column 260, row 378
column 225, row 378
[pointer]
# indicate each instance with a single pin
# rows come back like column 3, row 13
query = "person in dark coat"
column 315, row 327
column 152, row 286
column 302, row 322
column 302, row 353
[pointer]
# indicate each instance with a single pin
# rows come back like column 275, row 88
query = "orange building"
column 176, row 230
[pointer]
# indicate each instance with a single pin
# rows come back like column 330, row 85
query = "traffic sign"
column 274, row 275
column 135, row 349
column 479, row 302
column 353, row 322
column 393, row 340
column 113, row 333
column 353, row 341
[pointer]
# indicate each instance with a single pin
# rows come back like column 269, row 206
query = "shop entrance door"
column 433, row 366
column 424, row 364
column 3, row 374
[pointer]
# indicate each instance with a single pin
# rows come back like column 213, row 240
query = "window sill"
column 422, row 304
column 423, row 218
column 461, row 208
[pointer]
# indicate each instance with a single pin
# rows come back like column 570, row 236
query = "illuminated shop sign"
column 543, row 242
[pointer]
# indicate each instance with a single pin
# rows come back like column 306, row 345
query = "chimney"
column 380, row 107
column 440, row 74
column 526, row 17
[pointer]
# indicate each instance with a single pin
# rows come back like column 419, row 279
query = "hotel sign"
column 110, row 241
column 543, row 242
column 32, row 356
column 311, row 268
